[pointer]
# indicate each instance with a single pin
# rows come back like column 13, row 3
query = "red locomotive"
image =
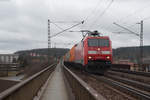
column 94, row 53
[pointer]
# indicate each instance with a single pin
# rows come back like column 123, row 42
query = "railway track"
column 144, row 78
column 123, row 86
column 114, row 87
column 146, row 74
column 101, row 87
column 135, row 84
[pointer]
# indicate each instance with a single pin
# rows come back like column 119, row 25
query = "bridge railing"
column 80, row 89
column 28, row 89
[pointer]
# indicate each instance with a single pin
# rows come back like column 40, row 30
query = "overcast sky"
column 23, row 23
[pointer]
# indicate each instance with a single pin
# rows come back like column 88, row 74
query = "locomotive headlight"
column 105, row 52
column 108, row 57
column 90, row 57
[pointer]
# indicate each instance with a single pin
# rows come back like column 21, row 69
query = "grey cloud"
column 23, row 23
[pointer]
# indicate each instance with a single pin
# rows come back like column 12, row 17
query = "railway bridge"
column 60, row 82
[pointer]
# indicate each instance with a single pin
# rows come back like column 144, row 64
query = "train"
column 92, row 54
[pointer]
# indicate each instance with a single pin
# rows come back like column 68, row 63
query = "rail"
column 80, row 89
column 28, row 89
column 133, row 83
column 124, row 88
column 147, row 74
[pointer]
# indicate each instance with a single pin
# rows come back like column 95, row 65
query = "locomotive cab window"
column 98, row 42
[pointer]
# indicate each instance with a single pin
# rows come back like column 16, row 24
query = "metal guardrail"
column 80, row 89
column 121, row 66
column 28, row 89
column 9, row 63
column 10, row 68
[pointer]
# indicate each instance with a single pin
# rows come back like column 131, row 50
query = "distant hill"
column 123, row 53
column 131, row 53
column 33, row 61
column 57, row 52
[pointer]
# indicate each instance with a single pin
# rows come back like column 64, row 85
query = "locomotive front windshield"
column 98, row 42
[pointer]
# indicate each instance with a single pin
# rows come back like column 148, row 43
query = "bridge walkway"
column 56, row 89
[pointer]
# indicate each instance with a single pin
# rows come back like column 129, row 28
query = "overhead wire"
column 147, row 18
column 125, row 17
column 102, row 13
column 123, row 31
column 67, row 29
column 91, row 13
column 64, row 22
column 131, row 14
column 135, row 12
column 57, row 26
